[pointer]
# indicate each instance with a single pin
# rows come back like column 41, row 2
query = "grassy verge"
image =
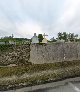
column 19, row 70
column 38, row 74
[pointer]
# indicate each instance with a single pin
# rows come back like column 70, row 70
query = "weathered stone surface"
column 56, row 52
column 39, row 54
column 18, row 55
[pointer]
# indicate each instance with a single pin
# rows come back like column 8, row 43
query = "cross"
column 12, row 35
column 44, row 35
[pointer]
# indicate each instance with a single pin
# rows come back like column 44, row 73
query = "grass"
column 39, row 73
column 19, row 70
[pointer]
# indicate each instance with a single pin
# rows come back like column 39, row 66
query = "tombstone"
column 62, row 41
column 44, row 40
column 12, row 42
column 12, row 35
column 2, row 43
column 35, row 39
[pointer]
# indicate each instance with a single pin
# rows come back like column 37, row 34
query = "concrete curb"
column 44, row 86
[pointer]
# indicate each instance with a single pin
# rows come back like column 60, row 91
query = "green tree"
column 59, row 35
column 72, row 37
column 40, row 37
column 62, row 36
column 76, row 37
column 65, row 36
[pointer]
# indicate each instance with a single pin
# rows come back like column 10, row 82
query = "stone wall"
column 16, row 54
column 39, row 54
column 55, row 52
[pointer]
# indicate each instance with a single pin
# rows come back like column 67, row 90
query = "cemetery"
column 10, row 40
column 23, row 65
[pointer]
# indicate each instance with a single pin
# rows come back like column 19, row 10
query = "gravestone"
column 58, row 40
column 44, row 40
column 35, row 39
column 12, row 42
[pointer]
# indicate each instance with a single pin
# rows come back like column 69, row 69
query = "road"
column 70, row 87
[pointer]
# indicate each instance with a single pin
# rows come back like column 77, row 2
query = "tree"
column 67, row 36
column 72, row 37
column 40, row 37
column 59, row 35
column 76, row 37
column 62, row 36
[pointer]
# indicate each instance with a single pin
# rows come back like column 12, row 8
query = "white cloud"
column 25, row 17
column 69, row 19
column 29, row 28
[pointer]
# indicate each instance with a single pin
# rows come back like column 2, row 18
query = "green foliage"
column 40, row 36
column 72, row 37
column 60, row 36
column 6, row 47
column 17, row 40
column 63, row 36
column 67, row 36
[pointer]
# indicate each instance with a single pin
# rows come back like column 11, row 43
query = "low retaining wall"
column 55, row 52
column 14, row 54
column 39, row 54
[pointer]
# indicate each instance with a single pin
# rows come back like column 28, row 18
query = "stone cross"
column 44, row 35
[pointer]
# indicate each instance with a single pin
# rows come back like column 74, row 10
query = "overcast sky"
column 23, row 18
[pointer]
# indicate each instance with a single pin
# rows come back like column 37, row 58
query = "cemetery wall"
column 39, row 54
column 54, row 52
column 15, row 54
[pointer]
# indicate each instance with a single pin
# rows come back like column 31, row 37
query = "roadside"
column 31, row 75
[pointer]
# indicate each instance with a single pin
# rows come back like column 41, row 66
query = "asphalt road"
column 70, row 87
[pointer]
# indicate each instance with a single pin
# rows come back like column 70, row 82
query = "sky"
column 23, row 18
